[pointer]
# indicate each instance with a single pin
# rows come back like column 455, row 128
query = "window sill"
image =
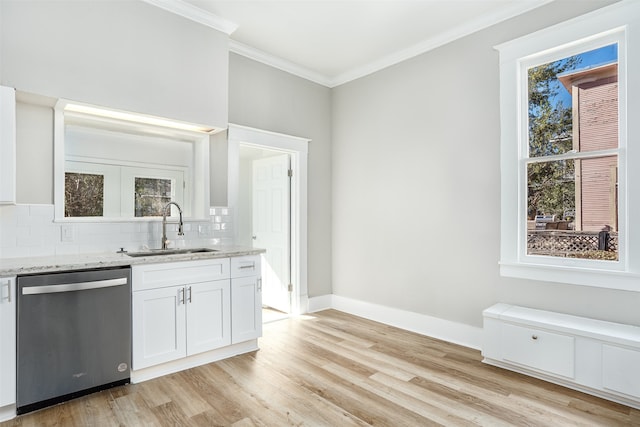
column 105, row 219
column 608, row 279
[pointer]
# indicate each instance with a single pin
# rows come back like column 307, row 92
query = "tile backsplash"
column 29, row 230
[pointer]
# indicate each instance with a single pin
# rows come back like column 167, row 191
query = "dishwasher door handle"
column 71, row 287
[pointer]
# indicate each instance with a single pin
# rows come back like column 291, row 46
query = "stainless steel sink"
column 157, row 252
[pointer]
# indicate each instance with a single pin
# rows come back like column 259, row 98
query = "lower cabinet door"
column 246, row 309
column 7, row 341
column 208, row 315
column 159, row 322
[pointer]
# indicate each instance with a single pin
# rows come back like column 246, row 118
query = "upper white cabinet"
column 7, row 342
column 7, row 145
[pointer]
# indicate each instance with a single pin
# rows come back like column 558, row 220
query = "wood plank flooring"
column 334, row 369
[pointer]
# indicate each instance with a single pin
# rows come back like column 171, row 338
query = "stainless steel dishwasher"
column 74, row 335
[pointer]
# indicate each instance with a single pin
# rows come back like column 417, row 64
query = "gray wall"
column 121, row 54
column 218, row 169
column 416, row 186
column 266, row 98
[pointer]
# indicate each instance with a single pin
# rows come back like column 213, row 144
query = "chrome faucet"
column 164, row 223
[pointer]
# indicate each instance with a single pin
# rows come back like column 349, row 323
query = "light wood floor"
column 271, row 315
column 333, row 369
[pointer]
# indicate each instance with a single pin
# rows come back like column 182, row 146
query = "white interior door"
column 271, row 228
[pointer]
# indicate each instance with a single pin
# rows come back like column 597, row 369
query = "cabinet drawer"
column 152, row 276
column 620, row 370
column 538, row 349
column 244, row 266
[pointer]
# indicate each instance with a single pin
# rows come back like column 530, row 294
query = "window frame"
column 612, row 24
column 179, row 187
column 119, row 185
column 196, row 175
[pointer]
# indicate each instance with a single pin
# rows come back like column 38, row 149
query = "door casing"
column 298, row 149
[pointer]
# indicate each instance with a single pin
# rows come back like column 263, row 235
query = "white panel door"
column 208, row 315
column 271, row 227
column 158, row 326
column 7, row 341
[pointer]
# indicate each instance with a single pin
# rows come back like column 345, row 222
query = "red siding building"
column 595, row 127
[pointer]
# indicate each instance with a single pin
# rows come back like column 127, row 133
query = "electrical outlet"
column 67, row 233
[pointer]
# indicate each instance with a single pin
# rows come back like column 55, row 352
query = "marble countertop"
column 49, row 264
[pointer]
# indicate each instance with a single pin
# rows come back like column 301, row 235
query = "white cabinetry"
column 158, row 327
column 208, row 314
column 7, row 347
column 7, row 145
column 246, row 298
column 180, row 309
column 593, row 356
column 186, row 314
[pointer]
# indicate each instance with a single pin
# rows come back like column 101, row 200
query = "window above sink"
column 113, row 165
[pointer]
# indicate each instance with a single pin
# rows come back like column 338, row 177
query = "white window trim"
column 196, row 195
column 119, row 184
column 618, row 23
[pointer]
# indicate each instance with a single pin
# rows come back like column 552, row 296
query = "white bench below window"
column 593, row 356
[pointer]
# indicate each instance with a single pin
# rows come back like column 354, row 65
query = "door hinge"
column 290, row 173
column 290, row 287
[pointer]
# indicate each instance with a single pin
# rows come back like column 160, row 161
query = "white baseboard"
column 7, row 412
column 323, row 302
column 188, row 362
column 446, row 330
column 602, row 393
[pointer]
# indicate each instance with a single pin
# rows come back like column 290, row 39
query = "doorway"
column 267, row 187
column 264, row 204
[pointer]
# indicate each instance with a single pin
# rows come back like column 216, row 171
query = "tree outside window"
column 151, row 196
column 83, row 194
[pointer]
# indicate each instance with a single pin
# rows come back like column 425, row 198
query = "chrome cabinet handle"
column 180, row 296
column 260, row 284
column 189, row 295
column 242, row 267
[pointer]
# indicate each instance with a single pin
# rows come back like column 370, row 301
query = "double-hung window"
column 570, row 151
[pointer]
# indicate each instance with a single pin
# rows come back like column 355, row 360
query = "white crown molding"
column 482, row 22
column 196, row 14
column 279, row 63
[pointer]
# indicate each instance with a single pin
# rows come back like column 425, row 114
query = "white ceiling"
column 334, row 41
